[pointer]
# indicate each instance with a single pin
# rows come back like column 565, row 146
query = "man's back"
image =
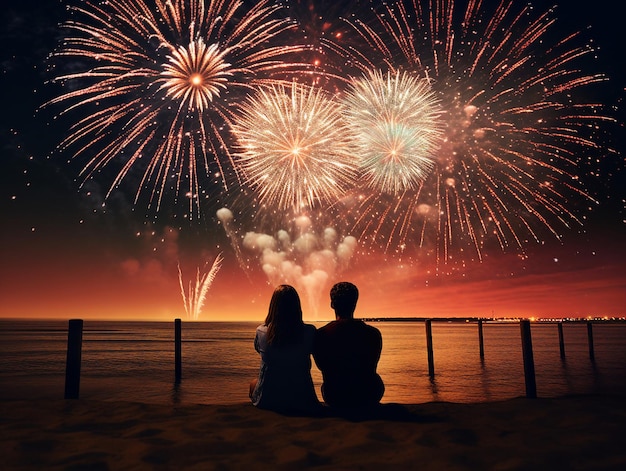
column 347, row 352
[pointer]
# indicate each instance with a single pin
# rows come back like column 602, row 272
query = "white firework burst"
column 295, row 147
column 395, row 121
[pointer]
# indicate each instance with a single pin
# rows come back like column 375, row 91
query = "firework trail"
column 155, row 83
column 225, row 216
column 194, row 294
column 309, row 262
column 295, row 147
column 517, row 130
column 395, row 121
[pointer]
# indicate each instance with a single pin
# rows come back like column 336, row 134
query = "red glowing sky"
column 61, row 256
column 63, row 276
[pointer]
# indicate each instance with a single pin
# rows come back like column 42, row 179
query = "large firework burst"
column 155, row 82
column 296, row 149
column 518, row 129
column 395, row 121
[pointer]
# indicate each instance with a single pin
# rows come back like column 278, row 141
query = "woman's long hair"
column 284, row 316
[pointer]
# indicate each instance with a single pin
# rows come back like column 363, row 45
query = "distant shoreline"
column 492, row 319
column 460, row 320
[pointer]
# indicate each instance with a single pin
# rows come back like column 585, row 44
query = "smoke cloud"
column 307, row 260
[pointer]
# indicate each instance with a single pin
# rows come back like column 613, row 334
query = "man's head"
column 343, row 298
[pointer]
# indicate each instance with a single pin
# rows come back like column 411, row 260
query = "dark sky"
column 65, row 252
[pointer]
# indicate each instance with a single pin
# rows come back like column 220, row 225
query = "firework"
column 396, row 123
column 295, row 148
column 155, row 82
column 195, row 293
column 225, row 216
column 517, row 130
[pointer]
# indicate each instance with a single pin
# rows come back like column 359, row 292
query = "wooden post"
column 592, row 355
column 429, row 347
column 178, row 350
column 529, row 362
column 72, row 364
column 561, row 341
column 481, row 345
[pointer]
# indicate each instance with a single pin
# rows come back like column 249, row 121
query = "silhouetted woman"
column 285, row 344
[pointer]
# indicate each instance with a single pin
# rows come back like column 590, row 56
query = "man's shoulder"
column 347, row 327
column 326, row 328
column 371, row 330
column 371, row 327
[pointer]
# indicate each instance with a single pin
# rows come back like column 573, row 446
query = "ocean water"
column 134, row 361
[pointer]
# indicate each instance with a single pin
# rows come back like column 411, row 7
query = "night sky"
column 68, row 252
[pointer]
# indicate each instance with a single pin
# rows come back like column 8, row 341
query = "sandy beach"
column 574, row 432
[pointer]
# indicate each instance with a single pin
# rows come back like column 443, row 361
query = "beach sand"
column 574, row 432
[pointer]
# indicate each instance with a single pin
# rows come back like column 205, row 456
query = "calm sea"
column 135, row 361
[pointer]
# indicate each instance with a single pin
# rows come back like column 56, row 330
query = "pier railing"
column 75, row 336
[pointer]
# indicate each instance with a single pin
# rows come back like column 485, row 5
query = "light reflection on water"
column 135, row 361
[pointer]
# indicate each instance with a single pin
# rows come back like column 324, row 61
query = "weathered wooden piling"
column 74, row 353
column 481, row 345
column 529, row 362
column 592, row 355
column 429, row 347
column 178, row 350
column 561, row 340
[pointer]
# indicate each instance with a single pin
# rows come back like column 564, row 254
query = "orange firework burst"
column 196, row 75
column 155, row 85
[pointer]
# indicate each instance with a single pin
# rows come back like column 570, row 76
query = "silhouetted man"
column 347, row 351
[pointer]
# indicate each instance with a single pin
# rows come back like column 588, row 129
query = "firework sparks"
column 396, row 123
column 194, row 295
column 156, row 82
column 296, row 149
column 517, row 129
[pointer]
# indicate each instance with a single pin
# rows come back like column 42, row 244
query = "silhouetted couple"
column 346, row 351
